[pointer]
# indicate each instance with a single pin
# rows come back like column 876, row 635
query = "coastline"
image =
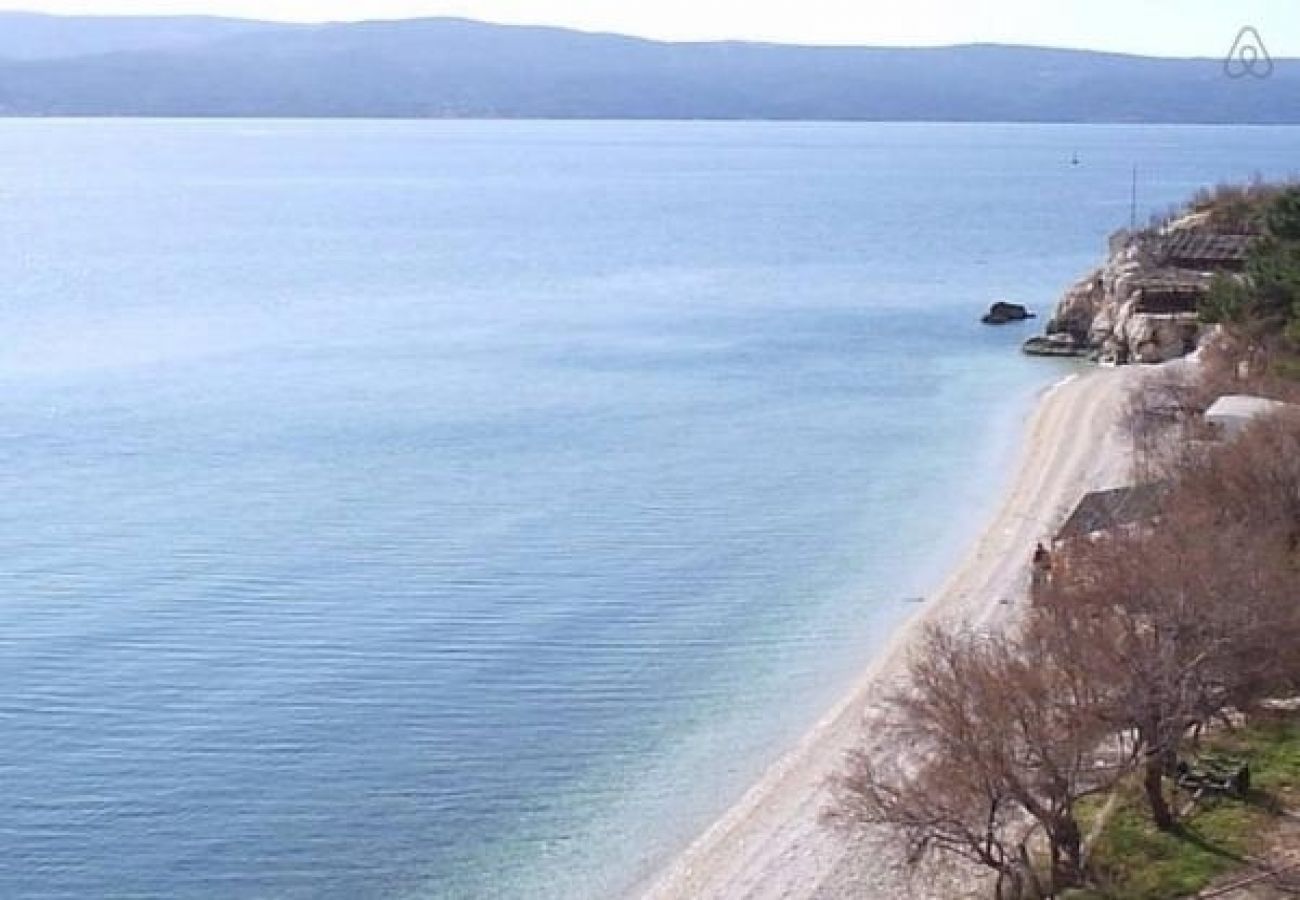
column 771, row 843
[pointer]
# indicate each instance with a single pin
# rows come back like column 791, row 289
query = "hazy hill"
column 29, row 36
column 451, row 67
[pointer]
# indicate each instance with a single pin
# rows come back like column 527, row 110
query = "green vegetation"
column 1232, row 208
column 1137, row 861
column 1263, row 303
column 1273, row 751
column 1133, row 860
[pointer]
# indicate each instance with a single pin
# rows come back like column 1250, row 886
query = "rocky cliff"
column 1140, row 305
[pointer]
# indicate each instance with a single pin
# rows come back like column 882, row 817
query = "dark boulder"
column 1001, row 313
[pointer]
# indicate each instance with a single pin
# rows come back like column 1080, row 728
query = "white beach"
column 772, row 844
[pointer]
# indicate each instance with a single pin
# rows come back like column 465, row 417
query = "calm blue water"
column 474, row 510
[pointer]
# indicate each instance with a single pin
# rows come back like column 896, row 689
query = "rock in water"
column 1059, row 344
column 1002, row 312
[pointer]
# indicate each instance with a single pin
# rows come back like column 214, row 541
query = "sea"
column 476, row 509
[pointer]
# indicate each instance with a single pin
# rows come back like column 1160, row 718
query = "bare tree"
column 931, row 807
column 1252, row 482
column 1173, row 624
column 1164, row 407
column 1140, row 636
column 1002, row 742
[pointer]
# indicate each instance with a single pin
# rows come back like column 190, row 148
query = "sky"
column 1155, row 27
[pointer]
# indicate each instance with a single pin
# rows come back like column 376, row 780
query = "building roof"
column 1206, row 250
column 1167, row 278
column 1242, row 407
column 1114, row 508
column 1171, row 291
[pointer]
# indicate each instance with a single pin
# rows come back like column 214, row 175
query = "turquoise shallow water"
column 475, row 509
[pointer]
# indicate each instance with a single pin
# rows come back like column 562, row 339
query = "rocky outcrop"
column 1150, row 338
column 1001, row 312
column 1060, row 344
column 1133, row 309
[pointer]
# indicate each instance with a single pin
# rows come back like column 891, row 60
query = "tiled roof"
column 1196, row 249
column 1106, row 510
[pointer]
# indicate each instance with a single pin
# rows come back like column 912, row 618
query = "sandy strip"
column 771, row 844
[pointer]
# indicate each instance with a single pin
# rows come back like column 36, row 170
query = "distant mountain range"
column 428, row 68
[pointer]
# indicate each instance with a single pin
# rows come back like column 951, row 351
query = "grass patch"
column 1136, row 861
column 1133, row 860
column 1273, row 751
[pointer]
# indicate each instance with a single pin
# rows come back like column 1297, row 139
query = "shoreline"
column 771, row 842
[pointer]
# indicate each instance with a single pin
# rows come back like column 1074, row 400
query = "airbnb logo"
column 1248, row 56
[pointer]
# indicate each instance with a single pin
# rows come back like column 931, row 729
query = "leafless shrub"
column 1244, row 363
column 1251, row 484
column 1236, row 208
column 1195, row 614
column 1140, row 637
column 1162, row 416
column 1179, row 623
column 1001, row 745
